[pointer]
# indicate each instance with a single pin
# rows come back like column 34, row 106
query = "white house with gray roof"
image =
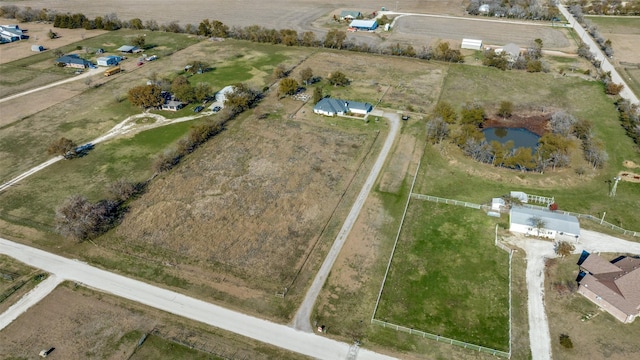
column 543, row 223
column 332, row 107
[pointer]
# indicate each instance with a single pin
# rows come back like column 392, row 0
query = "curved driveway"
column 301, row 320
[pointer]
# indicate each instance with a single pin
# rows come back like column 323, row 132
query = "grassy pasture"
column 448, row 278
column 155, row 348
column 617, row 24
column 449, row 174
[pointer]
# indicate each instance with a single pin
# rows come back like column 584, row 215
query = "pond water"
column 521, row 137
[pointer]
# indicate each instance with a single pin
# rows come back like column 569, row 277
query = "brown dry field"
column 278, row 14
column 38, row 35
column 595, row 334
column 83, row 324
column 427, row 30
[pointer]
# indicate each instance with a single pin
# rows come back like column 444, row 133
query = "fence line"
column 439, row 338
column 384, row 280
column 446, row 201
column 510, row 251
column 589, row 217
column 578, row 215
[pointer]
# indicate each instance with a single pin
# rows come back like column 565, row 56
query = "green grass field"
column 620, row 25
column 448, row 278
column 155, row 348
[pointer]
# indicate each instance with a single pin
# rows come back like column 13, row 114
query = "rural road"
column 28, row 300
column 85, row 74
column 302, row 319
column 282, row 336
column 605, row 65
column 538, row 251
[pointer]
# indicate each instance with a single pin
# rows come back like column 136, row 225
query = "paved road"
column 605, row 65
column 537, row 253
column 302, row 319
column 28, row 300
column 312, row 345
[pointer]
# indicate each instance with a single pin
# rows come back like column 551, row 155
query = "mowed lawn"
column 448, row 278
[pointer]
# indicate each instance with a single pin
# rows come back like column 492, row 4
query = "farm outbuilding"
column 471, row 44
column 37, row 48
column 129, row 49
column 111, row 60
column 612, row 285
column 543, row 223
column 364, row 25
column 511, row 50
column 333, row 107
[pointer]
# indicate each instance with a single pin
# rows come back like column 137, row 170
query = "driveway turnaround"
column 301, row 320
column 28, row 300
column 309, row 344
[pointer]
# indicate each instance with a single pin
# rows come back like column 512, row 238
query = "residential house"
column 614, row 286
column 74, row 61
column 350, row 15
column 172, row 105
column 511, row 50
column 332, row 107
column 541, row 222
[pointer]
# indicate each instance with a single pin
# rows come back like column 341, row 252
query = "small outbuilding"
column 37, row 48
column 129, row 49
column 511, row 50
column 471, row 44
column 333, row 107
column 111, row 60
column 364, row 25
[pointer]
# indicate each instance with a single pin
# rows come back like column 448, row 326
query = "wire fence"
column 443, row 339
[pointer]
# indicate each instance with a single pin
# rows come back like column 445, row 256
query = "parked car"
column 140, row 63
column 198, row 108
column 216, row 108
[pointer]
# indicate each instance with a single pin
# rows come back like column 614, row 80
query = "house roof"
column 73, row 59
column 617, row 283
column 127, row 48
column 332, row 105
column 363, row 23
column 351, row 13
column 553, row 220
column 511, row 49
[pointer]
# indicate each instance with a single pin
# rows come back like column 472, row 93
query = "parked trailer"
column 113, row 70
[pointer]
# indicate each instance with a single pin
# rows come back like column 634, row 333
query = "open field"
column 427, row 30
column 298, row 14
column 81, row 323
column 16, row 279
column 594, row 333
column 448, row 278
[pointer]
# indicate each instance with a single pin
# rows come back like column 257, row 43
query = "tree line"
column 464, row 129
column 333, row 39
column 515, row 9
column 608, row 7
column 529, row 60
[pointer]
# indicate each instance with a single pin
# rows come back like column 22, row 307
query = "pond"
column 521, row 137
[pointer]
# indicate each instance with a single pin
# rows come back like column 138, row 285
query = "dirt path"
column 318, row 347
column 28, row 300
column 538, row 251
column 85, row 74
column 302, row 319
column 127, row 126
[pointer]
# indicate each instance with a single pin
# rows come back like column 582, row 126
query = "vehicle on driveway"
column 216, row 109
column 198, row 108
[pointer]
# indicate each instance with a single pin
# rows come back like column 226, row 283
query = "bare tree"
column 437, row 130
column 562, row 122
column 61, row 146
column 563, row 248
column 538, row 223
column 79, row 219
